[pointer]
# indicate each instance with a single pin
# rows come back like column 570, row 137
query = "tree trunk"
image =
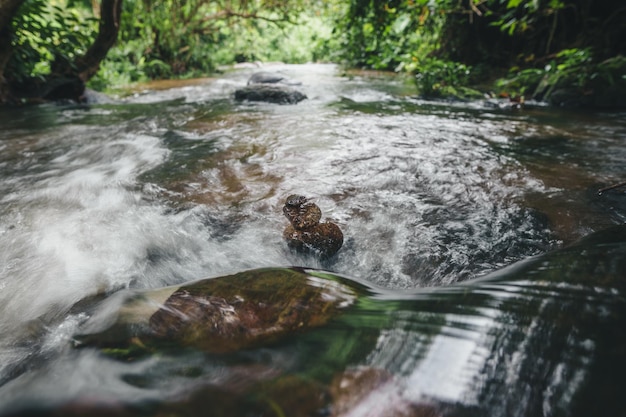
column 8, row 10
column 110, row 13
column 67, row 80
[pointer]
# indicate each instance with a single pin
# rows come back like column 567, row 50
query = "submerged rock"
column 269, row 93
column 373, row 392
column 222, row 314
column 306, row 233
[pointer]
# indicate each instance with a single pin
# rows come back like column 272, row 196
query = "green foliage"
column 388, row 35
column 48, row 34
column 571, row 69
column 439, row 78
column 543, row 27
column 612, row 71
column 167, row 38
column 436, row 40
column 301, row 42
column 124, row 65
column 519, row 16
column 439, row 39
column 520, row 82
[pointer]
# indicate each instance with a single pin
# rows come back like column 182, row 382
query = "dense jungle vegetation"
column 566, row 52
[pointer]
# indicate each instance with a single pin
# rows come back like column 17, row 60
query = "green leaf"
column 512, row 4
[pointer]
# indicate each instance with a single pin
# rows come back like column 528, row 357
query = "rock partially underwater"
column 269, row 93
column 271, row 88
column 222, row 314
column 305, row 233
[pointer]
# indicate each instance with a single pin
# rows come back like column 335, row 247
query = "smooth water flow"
column 171, row 185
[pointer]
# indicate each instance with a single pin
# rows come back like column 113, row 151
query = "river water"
column 178, row 182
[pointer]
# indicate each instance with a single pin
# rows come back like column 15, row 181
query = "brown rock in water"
column 324, row 238
column 243, row 311
column 225, row 314
column 306, row 233
column 301, row 213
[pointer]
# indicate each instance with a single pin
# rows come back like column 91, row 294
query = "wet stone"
column 305, row 233
column 300, row 213
column 229, row 313
column 270, row 93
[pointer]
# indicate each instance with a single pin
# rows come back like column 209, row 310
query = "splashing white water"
column 76, row 228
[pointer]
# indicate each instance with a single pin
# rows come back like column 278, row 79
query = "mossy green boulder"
column 219, row 315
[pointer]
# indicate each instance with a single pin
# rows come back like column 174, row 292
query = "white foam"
column 76, row 228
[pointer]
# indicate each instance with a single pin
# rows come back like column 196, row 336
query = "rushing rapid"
column 170, row 185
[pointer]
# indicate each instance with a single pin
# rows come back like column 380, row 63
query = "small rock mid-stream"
column 305, row 233
column 271, row 88
column 182, row 252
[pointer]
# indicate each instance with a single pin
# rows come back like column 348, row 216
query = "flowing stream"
column 179, row 182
